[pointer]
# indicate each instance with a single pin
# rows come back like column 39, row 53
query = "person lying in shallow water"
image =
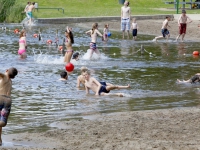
column 194, row 79
column 101, row 88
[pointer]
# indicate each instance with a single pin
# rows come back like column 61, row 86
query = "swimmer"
column 101, row 88
column 63, row 76
column 81, row 78
column 76, row 56
column 22, row 44
column 5, row 93
column 68, row 43
column 93, row 34
column 164, row 30
column 194, row 79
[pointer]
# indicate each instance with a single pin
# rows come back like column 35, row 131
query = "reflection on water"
column 39, row 99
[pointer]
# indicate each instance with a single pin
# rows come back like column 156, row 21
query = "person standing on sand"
column 182, row 23
column 30, row 13
column 125, row 18
column 101, row 88
column 164, row 30
column 5, row 99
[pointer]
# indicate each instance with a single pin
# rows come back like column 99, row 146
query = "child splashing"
column 69, row 41
column 93, row 34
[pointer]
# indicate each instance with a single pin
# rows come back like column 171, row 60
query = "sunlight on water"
column 40, row 98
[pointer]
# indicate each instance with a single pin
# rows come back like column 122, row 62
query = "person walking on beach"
column 182, row 23
column 93, row 34
column 68, row 43
column 30, row 13
column 125, row 18
column 26, row 10
column 22, row 44
column 134, row 27
column 164, row 30
column 5, row 99
column 101, row 88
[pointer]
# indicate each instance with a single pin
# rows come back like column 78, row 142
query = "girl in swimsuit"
column 22, row 45
column 105, row 32
column 68, row 43
column 93, row 33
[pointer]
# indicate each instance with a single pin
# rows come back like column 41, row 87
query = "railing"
column 50, row 8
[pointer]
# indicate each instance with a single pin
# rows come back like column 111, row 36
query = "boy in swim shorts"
column 164, row 29
column 5, row 99
column 64, row 76
column 100, row 88
column 192, row 80
column 182, row 23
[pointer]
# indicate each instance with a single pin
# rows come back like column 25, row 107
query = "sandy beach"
column 166, row 129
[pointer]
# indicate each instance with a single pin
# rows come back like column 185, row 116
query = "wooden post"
column 177, row 6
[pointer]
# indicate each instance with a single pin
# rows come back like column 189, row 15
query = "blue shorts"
column 165, row 32
column 103, row 88
column 93, row 46
column 125, row 24
column 30, row 14
column 134, row 32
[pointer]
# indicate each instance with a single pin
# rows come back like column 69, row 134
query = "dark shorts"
column 103, row 88
column 165, row 32
column 134, row 32
column 5, row 107
column 195, row 79
column 182, row 28
column 93, row 46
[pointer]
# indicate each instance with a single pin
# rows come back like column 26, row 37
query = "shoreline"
column 175, row 128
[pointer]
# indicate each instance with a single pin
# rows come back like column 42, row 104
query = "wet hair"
column 75, row 55
column 84, row 69
column 87, row 71
column 63, row 74
column 12, row 72
column 22, row 33
column 183, row 11
column 94, row 26
column 70, row 36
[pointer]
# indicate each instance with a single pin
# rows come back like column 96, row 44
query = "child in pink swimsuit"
column 22, row 45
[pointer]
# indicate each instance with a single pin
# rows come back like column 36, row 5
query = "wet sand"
column 153, row 129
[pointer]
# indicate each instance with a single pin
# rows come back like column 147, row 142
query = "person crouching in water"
column 101, row 88
column 22, row 44
column 68, row 43
column 93, row 34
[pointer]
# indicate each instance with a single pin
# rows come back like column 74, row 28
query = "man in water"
column 5, row 99
column 101, row 88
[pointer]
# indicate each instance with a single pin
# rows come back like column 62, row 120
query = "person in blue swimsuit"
column 101, row 88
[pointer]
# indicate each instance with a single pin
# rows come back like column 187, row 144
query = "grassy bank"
column 88, row 8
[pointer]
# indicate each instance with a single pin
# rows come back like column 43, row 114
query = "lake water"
column 40, row 100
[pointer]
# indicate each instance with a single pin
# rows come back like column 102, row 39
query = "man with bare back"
column 5, row 99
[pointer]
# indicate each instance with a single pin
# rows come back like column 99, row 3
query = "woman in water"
column 68, row 43
column 22, row 45
column 93, row 33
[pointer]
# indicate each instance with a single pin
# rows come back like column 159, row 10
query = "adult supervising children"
column 101, row 88
column 5, row 99
column 125, row 18
column 164, row 29
column 182, row 23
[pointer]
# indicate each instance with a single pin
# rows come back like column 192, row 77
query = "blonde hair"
column 94, row 26
column 84, row 69
column 134, row 19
